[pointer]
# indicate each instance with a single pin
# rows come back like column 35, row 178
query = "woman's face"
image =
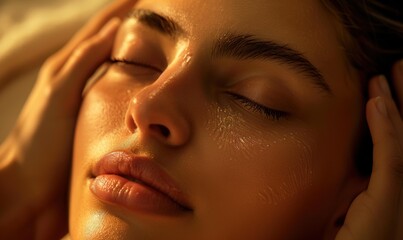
column 226, row 119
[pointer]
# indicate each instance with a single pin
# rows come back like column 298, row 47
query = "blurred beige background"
column 30, row 31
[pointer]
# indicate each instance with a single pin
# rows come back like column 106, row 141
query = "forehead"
column 259, row 17
column 304, row 25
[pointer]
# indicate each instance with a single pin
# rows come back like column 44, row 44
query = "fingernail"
column 380, row 106
column 383, row 84
column 109, row 26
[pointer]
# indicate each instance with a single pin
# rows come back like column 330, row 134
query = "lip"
column 137, row 183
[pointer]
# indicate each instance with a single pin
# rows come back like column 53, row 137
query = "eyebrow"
column 162, row 24
column 240, row 46
column 248, row 47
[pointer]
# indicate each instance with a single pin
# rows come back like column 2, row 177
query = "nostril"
column 165, row 131
column 160, row 129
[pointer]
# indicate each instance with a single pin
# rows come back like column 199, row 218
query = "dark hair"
column 375, row 33
column 373, row 40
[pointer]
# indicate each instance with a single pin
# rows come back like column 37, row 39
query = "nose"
column 158, row 111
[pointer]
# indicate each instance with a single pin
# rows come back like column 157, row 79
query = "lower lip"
column 134, row 196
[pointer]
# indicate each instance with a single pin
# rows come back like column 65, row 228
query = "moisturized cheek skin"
column 227, row 130
column 297, row 169
column 278, row 158
column 95, row 128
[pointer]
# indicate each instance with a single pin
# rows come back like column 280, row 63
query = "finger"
column 115, row 9
column 88, row 56
column 373, row 214
column 397, row 74
column 378, row 86
column 387, row 175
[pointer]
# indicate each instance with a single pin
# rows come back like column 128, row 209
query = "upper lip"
column 141, row 169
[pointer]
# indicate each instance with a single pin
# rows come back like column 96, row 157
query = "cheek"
column 277, row 157
column 263, row 174
column 289, row 170
column 101, row 119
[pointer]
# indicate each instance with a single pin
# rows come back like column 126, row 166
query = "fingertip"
column 381, row 106
column 383, row 86
column 376, row 112
column 89, row 56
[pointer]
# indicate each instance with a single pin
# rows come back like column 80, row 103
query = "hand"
column 377, row 213
column 35, row 158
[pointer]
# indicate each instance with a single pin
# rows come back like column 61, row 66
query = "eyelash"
column 121, row 61
column 255, row 107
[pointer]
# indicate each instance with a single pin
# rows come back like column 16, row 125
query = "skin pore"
column 190, row 97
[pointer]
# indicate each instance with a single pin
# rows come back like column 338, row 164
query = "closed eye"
column 258, row 108
column 123, row 61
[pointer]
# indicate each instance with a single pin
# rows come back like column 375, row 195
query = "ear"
column 353, row 187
